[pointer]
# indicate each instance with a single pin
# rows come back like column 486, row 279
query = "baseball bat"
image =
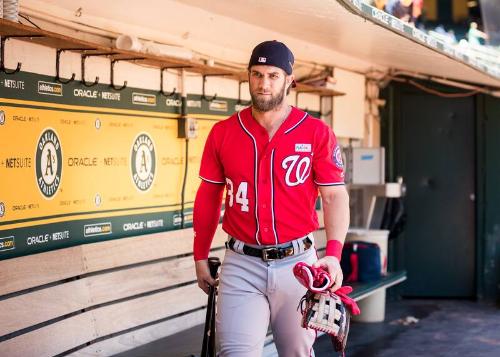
column 208, row 346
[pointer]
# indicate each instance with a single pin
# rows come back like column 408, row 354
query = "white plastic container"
column 129, row 43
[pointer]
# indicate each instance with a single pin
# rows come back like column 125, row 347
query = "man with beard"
column 272, row 159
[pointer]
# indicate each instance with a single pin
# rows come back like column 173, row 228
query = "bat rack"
column 62, row 43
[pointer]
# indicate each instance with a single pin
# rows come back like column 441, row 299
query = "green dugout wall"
column 488, row 111
column 448, row 152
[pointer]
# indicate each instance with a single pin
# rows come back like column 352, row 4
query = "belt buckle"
column 265, row 254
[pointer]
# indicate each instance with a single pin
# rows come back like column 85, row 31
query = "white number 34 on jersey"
column 241, row 194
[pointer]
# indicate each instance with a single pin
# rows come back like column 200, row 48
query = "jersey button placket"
column 264, row 199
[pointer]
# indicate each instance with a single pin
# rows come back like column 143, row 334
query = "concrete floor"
column 444, row 328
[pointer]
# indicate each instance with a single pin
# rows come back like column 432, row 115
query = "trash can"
column 373, row 306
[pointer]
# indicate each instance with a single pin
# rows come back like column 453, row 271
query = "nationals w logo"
column 301, row 168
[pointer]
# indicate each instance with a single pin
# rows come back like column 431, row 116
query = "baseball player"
column 272, row 159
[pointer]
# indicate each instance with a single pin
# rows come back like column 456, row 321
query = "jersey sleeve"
column 211, row 168
column 206, row 214
column 328, row 166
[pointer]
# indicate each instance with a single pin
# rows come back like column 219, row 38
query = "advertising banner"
column 83, row 164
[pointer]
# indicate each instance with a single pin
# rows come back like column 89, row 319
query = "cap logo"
column 262, row 59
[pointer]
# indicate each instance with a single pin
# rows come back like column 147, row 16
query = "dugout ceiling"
column 360, row 31
column 344, row 33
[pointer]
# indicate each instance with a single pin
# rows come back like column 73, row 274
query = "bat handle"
column 213, row 264
column 208, row 346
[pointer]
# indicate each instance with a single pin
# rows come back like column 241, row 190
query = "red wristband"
column 334, row 248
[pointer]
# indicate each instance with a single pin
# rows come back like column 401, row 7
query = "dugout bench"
column 106, row 298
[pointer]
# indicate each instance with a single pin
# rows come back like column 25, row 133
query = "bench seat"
column 363, row 290
column 188, row 342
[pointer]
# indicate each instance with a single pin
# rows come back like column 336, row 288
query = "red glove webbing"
column 206, row 215
column 348, row 302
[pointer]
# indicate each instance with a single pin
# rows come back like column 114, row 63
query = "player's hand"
column 332, row 265
column 203, row 275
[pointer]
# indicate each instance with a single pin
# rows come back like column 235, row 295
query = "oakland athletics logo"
column 301, row 168
column 48, row 163
column 143, row 162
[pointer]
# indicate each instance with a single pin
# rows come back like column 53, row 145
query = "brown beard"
column 266, row 105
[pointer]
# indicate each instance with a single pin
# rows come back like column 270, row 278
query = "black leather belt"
column 270, row 253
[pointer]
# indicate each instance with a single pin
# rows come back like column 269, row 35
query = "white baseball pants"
column 253, row 293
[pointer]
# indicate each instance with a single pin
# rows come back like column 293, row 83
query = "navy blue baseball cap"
column 273, row 53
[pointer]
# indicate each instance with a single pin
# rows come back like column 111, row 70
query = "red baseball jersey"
column 271, row 185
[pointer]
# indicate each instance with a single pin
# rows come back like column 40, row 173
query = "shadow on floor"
column 412, row 328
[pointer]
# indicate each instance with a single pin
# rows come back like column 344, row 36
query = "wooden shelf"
column 58, row 41
column 306, row 88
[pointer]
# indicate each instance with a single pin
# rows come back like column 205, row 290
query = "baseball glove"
column 323, row 310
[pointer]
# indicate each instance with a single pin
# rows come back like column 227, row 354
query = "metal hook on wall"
column 2, row 53
column 112, row 71
column 2, row 58
column 239, row 94
column 161, row 84
column 112, row 81
column 58, row 62
column 83, row 81
column 203, row 96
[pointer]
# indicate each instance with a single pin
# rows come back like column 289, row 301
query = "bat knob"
column 213, row 264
